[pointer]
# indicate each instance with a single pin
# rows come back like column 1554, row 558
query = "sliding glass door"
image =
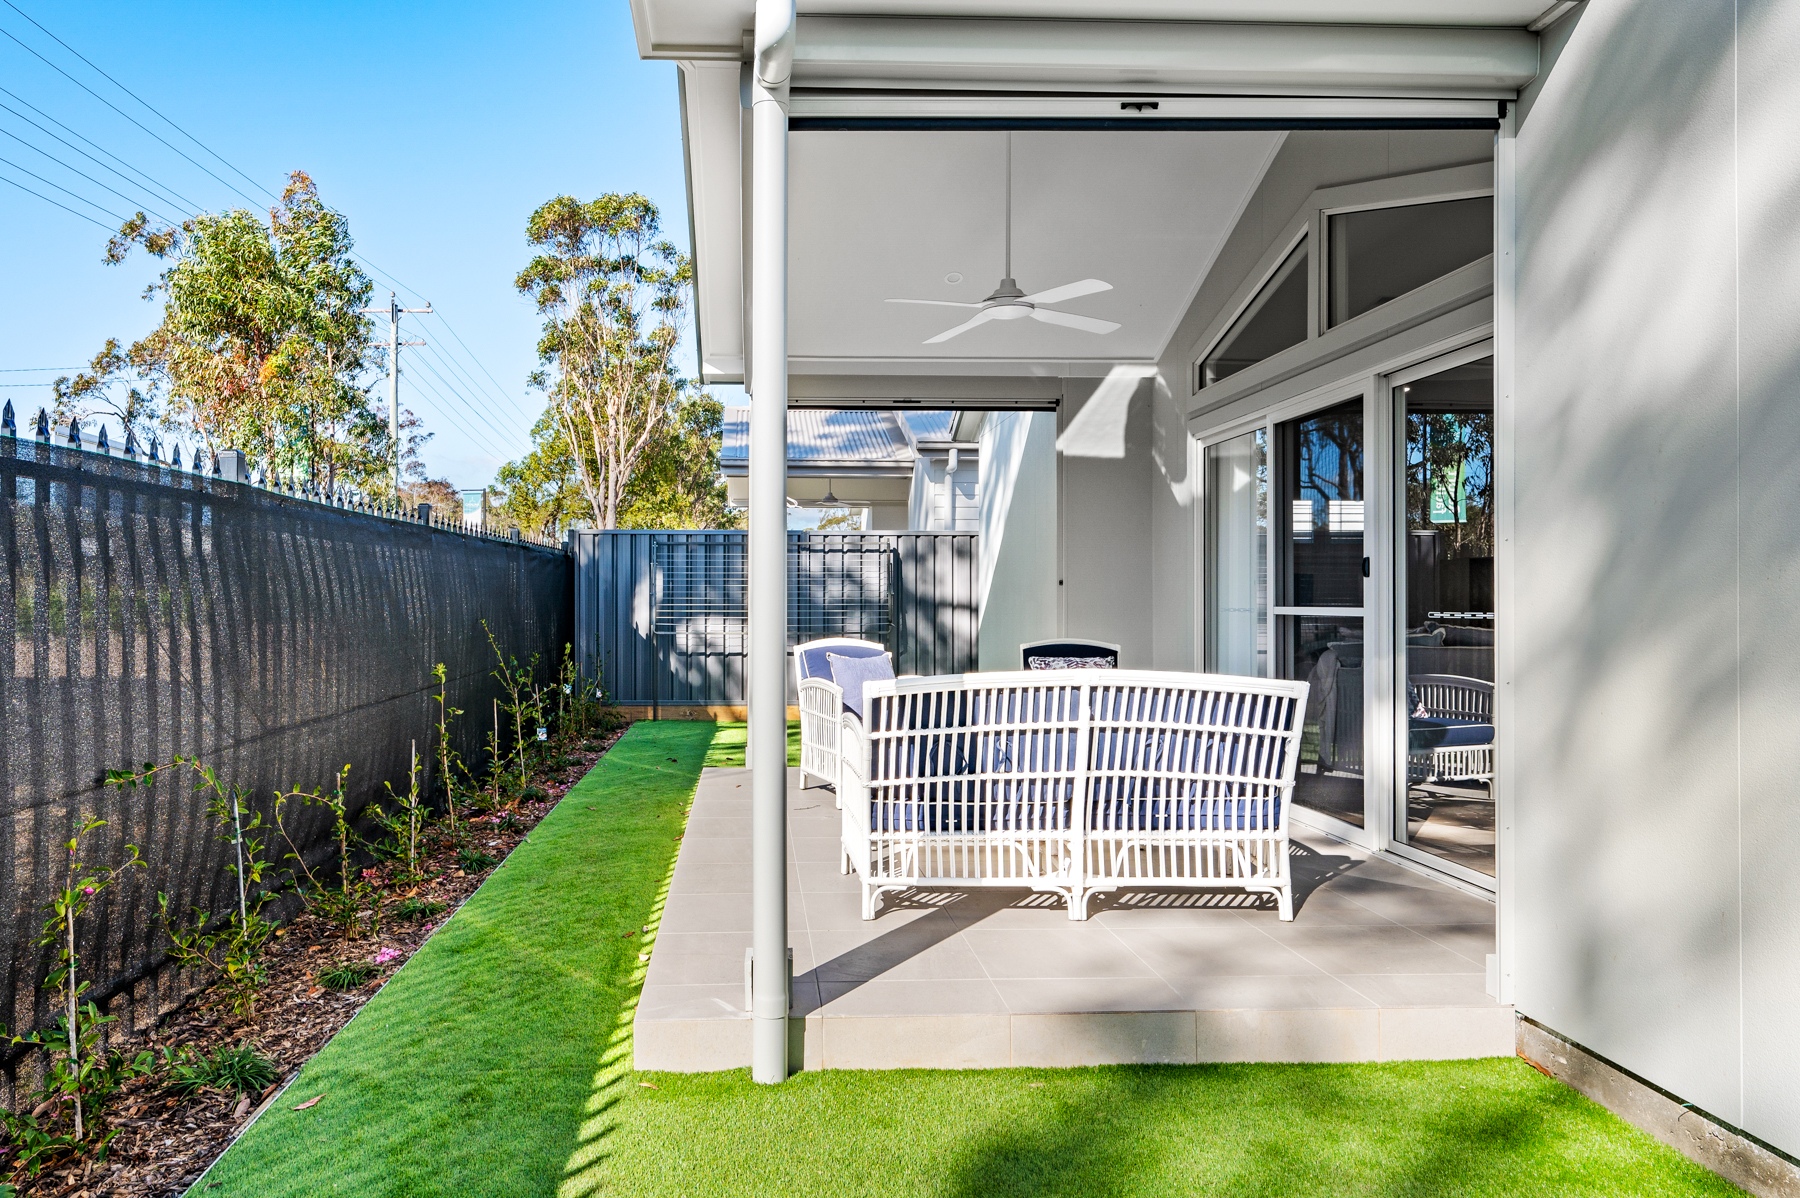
column 1320, row 570
column 1444, row 604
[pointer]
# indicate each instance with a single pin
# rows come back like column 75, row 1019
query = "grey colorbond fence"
column 155, row 612
column 662, row 613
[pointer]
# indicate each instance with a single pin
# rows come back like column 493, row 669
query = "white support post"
column 767, row 747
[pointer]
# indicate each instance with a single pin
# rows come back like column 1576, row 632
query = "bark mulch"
column 165, row 1142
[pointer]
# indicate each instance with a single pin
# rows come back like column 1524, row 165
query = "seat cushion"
column 1432, row 732
column 813, row 663
column 1072, row 663
column 851, row 672
column 1066, row 649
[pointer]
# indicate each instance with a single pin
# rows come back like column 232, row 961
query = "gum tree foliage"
column 676, row 483
column 261, row 346
column 614, row 296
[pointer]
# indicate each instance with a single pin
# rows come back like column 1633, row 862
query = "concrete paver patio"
column 1380, row 963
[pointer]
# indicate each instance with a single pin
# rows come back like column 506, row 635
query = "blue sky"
column 436, row 128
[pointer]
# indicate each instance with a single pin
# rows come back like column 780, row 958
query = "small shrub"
column 534, row 794
column 347, row 975
column 473, row 861
column 418, row 908
column 242, row 1069
column 510, row 822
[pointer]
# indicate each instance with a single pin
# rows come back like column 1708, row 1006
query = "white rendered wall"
column 1018, row 535
column 935, row 507
column 1108, row 590
column 1657, row 816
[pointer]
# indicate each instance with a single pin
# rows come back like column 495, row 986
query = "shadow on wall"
column 1655, row 498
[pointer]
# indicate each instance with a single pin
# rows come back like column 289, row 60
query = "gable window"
column 1274, row 321
column 1379, row 254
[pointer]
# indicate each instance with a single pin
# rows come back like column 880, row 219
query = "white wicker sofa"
column 822, row 702
column 1074, row 782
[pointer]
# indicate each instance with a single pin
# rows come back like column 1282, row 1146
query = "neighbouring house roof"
column 845, row 440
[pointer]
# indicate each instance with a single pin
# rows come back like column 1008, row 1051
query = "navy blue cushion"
column 851, row 672
column 1428, row 733
column 814, row 665
column 1070, row 649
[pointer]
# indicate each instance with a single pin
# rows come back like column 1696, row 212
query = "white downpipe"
column 767, row 743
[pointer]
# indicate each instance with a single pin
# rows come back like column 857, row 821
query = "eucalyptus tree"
column 262, row 345
column 614, row 297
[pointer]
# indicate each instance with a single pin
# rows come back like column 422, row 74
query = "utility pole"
column 394, row 312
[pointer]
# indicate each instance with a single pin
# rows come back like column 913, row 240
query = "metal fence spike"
column 101, row 443
column 155, row 454
column 131, row 445
column 8, row 426
column 215, row 464
column 175, row 457
column 74, row 432
column 43, row 425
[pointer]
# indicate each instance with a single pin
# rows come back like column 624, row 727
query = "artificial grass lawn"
column 498, row 1063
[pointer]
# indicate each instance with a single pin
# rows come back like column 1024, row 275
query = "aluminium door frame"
column 1396, row 733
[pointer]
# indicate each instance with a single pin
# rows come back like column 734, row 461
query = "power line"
column 83, row 174
column 90, row 220
column 144, row 102
column 90, row 91
column 473, row 411
column 475, row 386
column 61, row 188
column 148, row 180
column 37, row 369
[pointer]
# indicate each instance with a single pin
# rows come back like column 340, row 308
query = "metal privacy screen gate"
column 154, row 612
column 664, row 613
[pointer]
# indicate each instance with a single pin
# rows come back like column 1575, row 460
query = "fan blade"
column 1069, row 320
column 935, row 303
column 1068, row 291
column 981, row 317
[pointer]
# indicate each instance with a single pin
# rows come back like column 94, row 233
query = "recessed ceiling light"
column 953, row 278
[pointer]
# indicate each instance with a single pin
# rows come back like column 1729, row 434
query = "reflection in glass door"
column 1445, row 568
column 1237, row 564
column 1320, row 567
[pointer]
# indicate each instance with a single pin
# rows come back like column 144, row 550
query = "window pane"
column 1447, row 570
column 1383, row 253
column 1327, row 651
column 1275, row 320
column 1323, row 477
column 1237, row 534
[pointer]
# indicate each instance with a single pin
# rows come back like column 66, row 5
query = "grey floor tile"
column 1184, row 953
column 1143, row 909
column 717, row 913
column 1055, row 996
column 716, row 850
column 824, row 877
column 837, row 909
column 699, row 959
column 828, row 849
column 718, row 825
column 1415, row 900
column 1332, row 907
column 995, row 909
column 692, row 1002
column 1088, row 951
column 925, row 949
column 694, row 877
column 1422, row 989
column 1474, row 941
column 1285, row 992
column 896, row 996
column 1346, row 950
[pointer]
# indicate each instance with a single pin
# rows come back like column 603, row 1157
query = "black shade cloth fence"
column 153, row 612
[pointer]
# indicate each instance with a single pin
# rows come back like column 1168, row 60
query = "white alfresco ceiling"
column 875, row 215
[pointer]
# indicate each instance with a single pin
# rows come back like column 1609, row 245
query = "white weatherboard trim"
column 872, row 51
column 931, row 105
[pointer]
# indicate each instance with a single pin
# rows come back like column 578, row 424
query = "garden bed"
column 165, row 1142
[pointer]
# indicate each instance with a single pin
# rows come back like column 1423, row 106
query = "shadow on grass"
column 1415, row 1129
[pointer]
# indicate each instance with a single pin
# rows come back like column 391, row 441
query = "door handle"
column 1365, row 567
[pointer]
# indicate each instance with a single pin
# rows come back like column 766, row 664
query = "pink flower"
column 87, row 890
column 386, row 955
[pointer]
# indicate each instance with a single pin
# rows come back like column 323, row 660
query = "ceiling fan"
column 1008, row 302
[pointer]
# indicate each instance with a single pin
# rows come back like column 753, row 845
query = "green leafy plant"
column 346, row 975
column 418, row 908
column 66, row 1117
column 232, row 949
column 242, row 1069
column 446, row 756
column 523, row 704
column 473, row 861
column 408, row 820
column 354, row 904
